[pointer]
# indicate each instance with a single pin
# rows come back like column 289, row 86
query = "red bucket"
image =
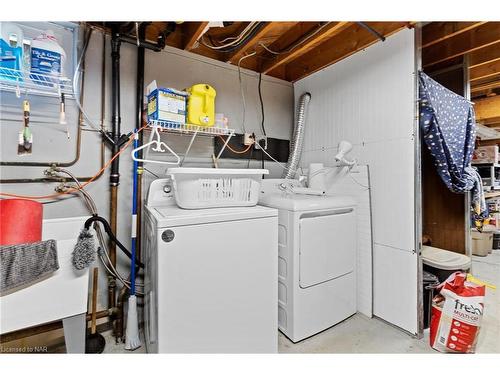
column 20, row 221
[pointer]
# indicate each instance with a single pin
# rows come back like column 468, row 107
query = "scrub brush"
column 84, row 250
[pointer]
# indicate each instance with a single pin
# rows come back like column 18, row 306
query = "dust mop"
column 132, row 340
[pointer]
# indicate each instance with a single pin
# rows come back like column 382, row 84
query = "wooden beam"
column 351, row 40
column 436, row 32
column 486, row 86
column 484, row 71
column 488, row 142
column 492, row 122
column 484, row 55
column 267, row 34
column 327, row 32
column 487, row 109
column 192, row 32
column 472, row 40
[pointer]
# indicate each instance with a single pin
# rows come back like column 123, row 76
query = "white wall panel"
column 357, row 185
column 396, row 292
column 368, row 99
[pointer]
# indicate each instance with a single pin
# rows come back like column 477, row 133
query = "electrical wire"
column 150, row 172
column 259, row 86
column 36, row 197
column 327, row 170
column 298, row 43
column 261, row 105
column 240, row 38
column 242, row 91
column 273, row 159
column 237, row 151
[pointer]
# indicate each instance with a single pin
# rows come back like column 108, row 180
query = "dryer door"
column 327, row 246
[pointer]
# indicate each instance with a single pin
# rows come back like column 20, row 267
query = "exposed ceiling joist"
column 484, row 71
column 267, row 35
column 250, row 44
column 485, row 86
column 192, row 32
column 346, row 43
column 491, row 122
column 466, row 42
column 488, row 109
column 436, row 32
column 484, row 55
column 327, row 32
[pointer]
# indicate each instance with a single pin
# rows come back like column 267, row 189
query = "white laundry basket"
column 213, row 187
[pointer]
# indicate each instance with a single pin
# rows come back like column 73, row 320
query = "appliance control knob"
column 168, row 235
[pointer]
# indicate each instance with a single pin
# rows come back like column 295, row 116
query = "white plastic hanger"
column 158, row 146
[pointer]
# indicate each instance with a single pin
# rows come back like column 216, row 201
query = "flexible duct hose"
column 298, row 137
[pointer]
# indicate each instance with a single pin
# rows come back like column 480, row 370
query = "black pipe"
column 140, row 86
column 114, row 178
column 143, row 43
column 107, row 229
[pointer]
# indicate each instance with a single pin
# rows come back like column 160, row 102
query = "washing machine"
column 210, row 277
column 317, row 257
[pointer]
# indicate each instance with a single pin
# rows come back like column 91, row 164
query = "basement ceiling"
column 475, row 45
column 286, row 50
column 294, row 50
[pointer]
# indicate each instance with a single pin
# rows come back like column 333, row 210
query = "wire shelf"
column 193, row 131
column 25, row 82
column 190, row 129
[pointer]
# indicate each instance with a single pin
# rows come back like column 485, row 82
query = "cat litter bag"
column 457, row 311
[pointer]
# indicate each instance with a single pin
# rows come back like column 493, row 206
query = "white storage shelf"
column 27, row 83
column 190, row 128
column 193, row 131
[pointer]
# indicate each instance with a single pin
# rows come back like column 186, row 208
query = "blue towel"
column 448, row 124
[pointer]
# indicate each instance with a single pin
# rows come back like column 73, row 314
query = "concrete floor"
column 360, row 334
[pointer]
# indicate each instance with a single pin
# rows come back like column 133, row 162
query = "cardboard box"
column 485, row 155
column 166, row 104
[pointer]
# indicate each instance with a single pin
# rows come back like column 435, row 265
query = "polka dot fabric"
column 449, row 130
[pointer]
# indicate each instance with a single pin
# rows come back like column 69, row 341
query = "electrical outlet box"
column 248, row 139
column 260, row 142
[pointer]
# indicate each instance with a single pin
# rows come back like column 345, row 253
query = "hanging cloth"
column 448, row 124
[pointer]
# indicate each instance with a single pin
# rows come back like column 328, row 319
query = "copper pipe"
column 119, row 322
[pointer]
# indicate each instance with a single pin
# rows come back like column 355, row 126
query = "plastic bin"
column 482, row 243
column 496, row 240
column 430, row 282
column 20, row 221
column 196, row 188
column 442, row 263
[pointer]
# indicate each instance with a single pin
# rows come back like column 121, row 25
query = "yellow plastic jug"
column 201, row 105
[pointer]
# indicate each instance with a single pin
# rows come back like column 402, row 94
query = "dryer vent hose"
column 297, row 142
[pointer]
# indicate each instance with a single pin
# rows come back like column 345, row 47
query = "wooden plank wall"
column 443, row 212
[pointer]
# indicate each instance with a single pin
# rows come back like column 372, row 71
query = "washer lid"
column 444, row 259
column 173, row 216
